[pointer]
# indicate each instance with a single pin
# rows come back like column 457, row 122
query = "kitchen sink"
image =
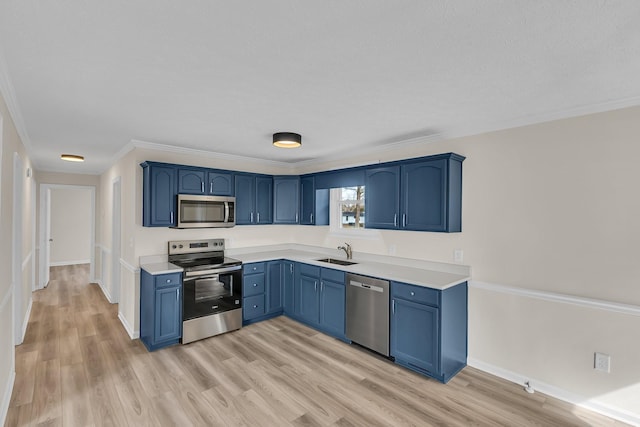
column 336, row 261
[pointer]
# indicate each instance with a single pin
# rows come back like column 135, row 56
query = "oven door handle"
column 207, row 274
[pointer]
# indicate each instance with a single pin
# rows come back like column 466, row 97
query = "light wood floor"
column 78, row 367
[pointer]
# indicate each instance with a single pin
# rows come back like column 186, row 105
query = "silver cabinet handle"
column 311, row 218
column 315, row 285
column 178, row 294
column 404, row 220
column 211, row 187
column 255, row 306
column 321, row 285
column 171, row 218
column 412, row 293
column 258, row 215
column 202, row 186
column 395, row 220
column 296, row 217
column 255, row 285
column 168, row 280
column 291, row 268
column 393, row 307
column 251, row 218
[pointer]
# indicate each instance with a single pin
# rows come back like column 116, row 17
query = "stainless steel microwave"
column 205, row 211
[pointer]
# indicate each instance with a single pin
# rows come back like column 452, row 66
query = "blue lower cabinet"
column 319, row 299
column 429, row 329
column 332, row 307
column 414, row 335
column 160, row 309
column 263, row 289
column 253, row 307
column 288, row 288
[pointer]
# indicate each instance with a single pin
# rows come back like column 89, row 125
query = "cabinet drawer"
column 333, row 275
column 253, row 307
column 309, row 270
column 253, row 284
column 415, row 293
column 164, row 280
column 255, row 267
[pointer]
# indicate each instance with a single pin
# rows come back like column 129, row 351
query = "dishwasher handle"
column 366, row 286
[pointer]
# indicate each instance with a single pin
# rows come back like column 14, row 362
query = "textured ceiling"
column 89, row 77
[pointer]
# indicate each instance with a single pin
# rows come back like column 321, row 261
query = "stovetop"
column 205, row 263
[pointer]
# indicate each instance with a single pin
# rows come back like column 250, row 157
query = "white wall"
column 548, row 208
column 11, row 144
column 71, row 222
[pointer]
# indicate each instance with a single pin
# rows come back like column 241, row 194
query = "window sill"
column 366, row 234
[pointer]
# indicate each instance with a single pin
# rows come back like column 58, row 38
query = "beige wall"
column 11, row 144
column 71, row 222
column 548, row 207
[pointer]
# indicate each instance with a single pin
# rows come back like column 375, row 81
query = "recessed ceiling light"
column 72, row 157
column 287, row 140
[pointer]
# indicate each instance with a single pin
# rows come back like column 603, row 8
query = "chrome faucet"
column 347, row 250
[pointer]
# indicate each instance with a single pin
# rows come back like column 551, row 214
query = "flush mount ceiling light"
column 72, row 157
column 287, row 140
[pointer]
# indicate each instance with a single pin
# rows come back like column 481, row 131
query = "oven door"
column 212, row 292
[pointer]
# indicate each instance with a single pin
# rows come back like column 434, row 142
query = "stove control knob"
column 215, row 243
column 180, row 246
column 173, row 246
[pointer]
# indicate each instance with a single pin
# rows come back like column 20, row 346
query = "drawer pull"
column 412, row 293
column 168, row 280
column 255, row 306
column 255, row 284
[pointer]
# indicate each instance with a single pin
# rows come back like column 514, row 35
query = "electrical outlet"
column 457, row 256
column 602, row 362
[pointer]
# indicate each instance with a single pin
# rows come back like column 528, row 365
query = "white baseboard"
column 76, row 262
column 104, row 290
column 558, row 393
column 6, row 398
column 25, row 322
column 132, row 334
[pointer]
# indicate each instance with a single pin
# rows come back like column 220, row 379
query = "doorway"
column 16, row 258
column 116, row 241
column 67, row 255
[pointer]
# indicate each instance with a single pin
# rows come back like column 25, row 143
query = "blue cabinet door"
column 288, row 287
column 307, row 200
column 382, row 201
column 263, row 200
column 285, row 197
column 274, row 288
column 159, row 195
column 191, row 181
column 168, row 314
column 309, row 307
column 220, row 183
column 332, row 307
column 424, row 196
column 245, row 185
column 415, row 335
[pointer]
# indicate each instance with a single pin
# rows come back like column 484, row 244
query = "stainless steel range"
column 212, row 288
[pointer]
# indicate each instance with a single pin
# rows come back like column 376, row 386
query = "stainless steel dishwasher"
column 368, row 312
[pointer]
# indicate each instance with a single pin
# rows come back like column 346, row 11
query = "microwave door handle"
column 226, row 211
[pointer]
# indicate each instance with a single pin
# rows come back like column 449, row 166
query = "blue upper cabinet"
column 382, row 201
column 254, row 199
column 220, row 183
column 264, row 200
column 314, row 203
column 285, row 199
column 192, row 181
column 160, row 187
column 423, row 195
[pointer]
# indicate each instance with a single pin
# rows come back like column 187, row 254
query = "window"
column 348, row 203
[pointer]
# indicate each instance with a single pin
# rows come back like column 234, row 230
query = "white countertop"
column 430, row 274
column 157, row 268
column 414, row 275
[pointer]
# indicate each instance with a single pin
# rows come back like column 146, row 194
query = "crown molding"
column 8, row 93
column 136, row 143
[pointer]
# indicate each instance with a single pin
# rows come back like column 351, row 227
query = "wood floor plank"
column 78, row 367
